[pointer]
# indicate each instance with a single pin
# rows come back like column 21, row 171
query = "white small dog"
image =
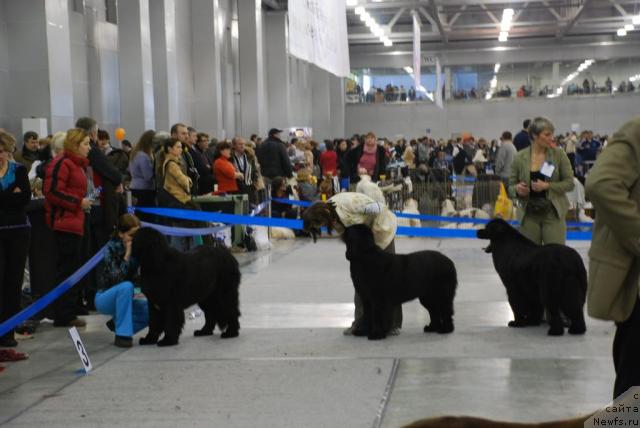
column 410, row 207
column 448, row 210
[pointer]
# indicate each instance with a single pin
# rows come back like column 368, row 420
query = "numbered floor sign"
column 82, row 352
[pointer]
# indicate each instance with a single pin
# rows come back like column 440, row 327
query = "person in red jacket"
column 329, row 160
column 65, row 190
column 226, row 174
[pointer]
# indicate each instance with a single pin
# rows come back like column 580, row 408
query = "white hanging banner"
column 439, row 84
column 417, row 60
column 318, row 34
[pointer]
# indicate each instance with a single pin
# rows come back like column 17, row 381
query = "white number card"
column 82, row 352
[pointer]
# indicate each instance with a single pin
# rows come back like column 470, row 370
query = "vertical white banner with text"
column 416, row 50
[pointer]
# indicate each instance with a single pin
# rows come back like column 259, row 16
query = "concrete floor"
column 292, row 367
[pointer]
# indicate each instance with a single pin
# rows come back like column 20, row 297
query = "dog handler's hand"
column 522, row 189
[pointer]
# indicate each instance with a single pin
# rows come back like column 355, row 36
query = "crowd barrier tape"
column 427, row 217
column 51, row 296
column 184, row 231
column 430, row 232
column 222, row 217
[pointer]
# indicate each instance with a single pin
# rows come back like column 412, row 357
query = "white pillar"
column 207, row 25
column 162, row 15
column 320, row 104
column 59, row 55
column 277, row 64
column 337, row 108
column 136, row 76
column 253, row 113
column 448, row 83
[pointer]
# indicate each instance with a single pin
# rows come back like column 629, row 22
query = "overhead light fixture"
column 359, row 10
column 628, row 27
column 622, row 32
column 635, row 20
column 408, row 69
column 352, row 2
column 503, row 36
column 496, row 68
column 375, row 28
column 505, row 24
column 388, row 42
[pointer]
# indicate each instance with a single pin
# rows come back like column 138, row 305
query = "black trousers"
column 14, row 247
column 626, row 353
column 69, row 259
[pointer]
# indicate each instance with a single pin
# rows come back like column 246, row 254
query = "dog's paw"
column 446, row 328
column 359, row 332
column 517, row 323
column 168, row 342
column 203, row 332
column 377, row 336
column 581, row 329
column 148, row 340
column 430, row 328
column 229, row 334
column 556, row 331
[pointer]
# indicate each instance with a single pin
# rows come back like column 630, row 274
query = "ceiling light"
column 496, row 68
column 622, row 32
column 359, row 10
column 388, row 42
column 635, row 20
column 364, row 15
column 628, row 27
column 352, row 2
column 408, row 69
column 503, row 36
column 559, row 91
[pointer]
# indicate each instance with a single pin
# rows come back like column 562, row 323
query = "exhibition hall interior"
column 320, row 213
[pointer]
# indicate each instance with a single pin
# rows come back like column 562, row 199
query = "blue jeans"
column 129, row 315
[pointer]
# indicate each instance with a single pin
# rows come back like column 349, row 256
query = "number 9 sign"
column 82, row 352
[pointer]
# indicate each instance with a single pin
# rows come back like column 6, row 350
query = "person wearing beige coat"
column 613, row 187
column 176, row 182
column 541, row 175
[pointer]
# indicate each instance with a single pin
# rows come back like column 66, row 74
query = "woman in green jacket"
column 541, row 175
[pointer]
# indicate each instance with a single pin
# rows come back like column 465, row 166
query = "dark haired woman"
column 115, row 296
column 143, row 187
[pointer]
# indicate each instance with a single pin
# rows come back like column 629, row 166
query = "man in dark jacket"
column 205, row 180
column 29, row 152
column 369, row 156
column 522, row 140
column 106, row 206
column 273, row 159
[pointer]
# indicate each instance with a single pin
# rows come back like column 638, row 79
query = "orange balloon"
column 120, row 134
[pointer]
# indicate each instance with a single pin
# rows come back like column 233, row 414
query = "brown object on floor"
column 468, row 422
column 12, row 355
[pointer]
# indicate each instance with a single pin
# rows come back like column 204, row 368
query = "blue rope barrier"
column 222, row 217
column 51, row 296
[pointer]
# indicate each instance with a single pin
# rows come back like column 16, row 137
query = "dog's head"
column 359, row 240
column 494, row 231
column 149, row 246
column 318, row 215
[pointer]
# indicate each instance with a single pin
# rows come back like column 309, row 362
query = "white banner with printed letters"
column 417, row 73
column 318, row 34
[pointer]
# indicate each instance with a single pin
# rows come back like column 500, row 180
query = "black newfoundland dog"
column 536, row 277
column 383, row 280
column 173, row 280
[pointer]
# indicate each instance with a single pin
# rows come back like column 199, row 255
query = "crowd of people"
column 79, row 180
column 394, row 93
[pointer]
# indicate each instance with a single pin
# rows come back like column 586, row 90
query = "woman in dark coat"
column 15, row 194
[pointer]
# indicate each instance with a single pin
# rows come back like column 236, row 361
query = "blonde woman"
column 65, row 189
